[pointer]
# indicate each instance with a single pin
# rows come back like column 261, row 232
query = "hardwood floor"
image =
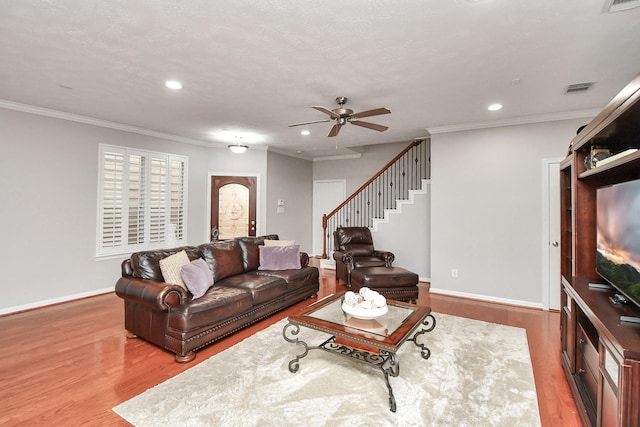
column 69, row 364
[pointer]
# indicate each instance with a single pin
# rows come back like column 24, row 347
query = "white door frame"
column 549, row 286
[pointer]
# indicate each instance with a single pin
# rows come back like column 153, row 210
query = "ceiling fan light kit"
column 343, row 116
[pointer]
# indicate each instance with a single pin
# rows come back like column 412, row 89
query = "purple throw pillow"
column 279, row 257
column 197, row 276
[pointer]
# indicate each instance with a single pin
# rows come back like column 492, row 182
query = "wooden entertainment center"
column 600, row 352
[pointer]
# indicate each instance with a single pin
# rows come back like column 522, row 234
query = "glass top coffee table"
column 372, row 341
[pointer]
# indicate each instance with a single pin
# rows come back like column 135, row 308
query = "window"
column 142, row 200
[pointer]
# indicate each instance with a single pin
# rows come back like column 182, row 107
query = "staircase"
column 411, row 200
column 395, row 185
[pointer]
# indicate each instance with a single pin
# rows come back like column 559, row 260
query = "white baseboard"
column 328, row 264
column 53, row 301
column 486, row 298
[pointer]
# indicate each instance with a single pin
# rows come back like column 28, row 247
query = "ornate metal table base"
column 386, row 361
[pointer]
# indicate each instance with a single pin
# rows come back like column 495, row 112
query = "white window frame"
column 162, row 200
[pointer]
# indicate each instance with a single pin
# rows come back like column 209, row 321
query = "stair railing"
column 393, row 182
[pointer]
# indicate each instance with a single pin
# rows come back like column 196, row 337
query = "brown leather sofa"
column 168, row 316
column 354, row 249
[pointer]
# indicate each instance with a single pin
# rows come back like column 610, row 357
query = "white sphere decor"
column 366, row 304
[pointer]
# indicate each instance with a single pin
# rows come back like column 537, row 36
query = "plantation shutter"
column 112, row 198
column 158, row 199
column 142, row 197
column 177, row 197
column 137, row 198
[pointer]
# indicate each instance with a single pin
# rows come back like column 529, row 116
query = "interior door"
column 552, row 238
column 233, row 207
column 327, row 195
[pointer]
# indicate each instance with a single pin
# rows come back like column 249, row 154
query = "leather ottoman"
column 393, row 282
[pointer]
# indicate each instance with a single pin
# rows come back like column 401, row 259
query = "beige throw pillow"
column 272, row 242
column 171, row 266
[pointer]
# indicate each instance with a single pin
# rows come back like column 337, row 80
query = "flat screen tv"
column 618, row 238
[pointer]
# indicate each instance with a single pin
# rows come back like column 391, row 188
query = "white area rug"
column 479, row 374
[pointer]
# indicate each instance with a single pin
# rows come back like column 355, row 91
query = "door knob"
column 554, row 244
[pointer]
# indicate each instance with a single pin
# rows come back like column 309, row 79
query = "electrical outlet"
column 454, row 272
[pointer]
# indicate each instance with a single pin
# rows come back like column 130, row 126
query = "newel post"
column 324, row 236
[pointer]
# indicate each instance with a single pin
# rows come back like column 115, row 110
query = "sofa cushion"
column 146, row 264
column 197, row 276
column 296, row 279
column 359, row 249
column 250, row 251
column 367, row 261
column 279, row 257
column 224, row 258
column 171, row 266
column 263, row 288
column 216, row 305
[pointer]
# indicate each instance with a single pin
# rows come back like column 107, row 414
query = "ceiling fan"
column 343, row 115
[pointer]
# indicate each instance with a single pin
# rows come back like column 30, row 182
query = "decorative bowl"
column 361, row 313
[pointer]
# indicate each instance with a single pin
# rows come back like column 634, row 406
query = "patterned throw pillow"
column 197, row 277
column 170, row 267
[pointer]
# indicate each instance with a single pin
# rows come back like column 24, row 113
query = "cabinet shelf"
column 614, row 172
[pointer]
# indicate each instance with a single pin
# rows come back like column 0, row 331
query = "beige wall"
column 290, row 181
column 486, row 203
column 486, row 218
column 49, row 181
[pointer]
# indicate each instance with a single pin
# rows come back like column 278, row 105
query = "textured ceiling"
column 257, row 66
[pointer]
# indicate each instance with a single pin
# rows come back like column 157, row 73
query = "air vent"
column 618, row 5
column 579, row 87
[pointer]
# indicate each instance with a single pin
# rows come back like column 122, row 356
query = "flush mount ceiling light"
column 238, row 148
column 494, row 107
column 173, row 84
column 305, row 132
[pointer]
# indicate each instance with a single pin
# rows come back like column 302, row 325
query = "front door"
column 233, row 207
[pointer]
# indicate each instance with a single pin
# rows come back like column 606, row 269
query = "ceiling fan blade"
column 334, row 130
column 369, row 113
column 368, row 125
column 324, row 110
column 310, row 123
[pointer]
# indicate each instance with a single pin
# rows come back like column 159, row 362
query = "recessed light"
column 305, row 132
column 173, row 84
column 494, row 107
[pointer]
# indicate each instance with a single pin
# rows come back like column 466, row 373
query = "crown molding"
column 540, row 118
column 276, row 150
column 339, row 157
column 10, row 105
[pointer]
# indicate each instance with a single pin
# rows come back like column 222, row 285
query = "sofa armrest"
column 347, row 259
column 304, row 259
column 158, row 296
column 338, row 256
column 388, row 257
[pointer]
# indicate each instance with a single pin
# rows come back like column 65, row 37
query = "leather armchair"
column 354, row 249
